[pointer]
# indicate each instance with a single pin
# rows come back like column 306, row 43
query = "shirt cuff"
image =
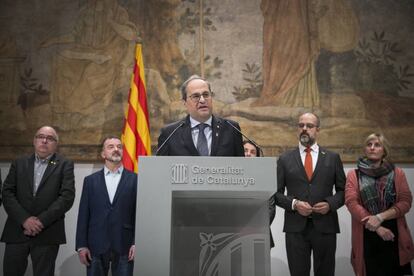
column 293, row 204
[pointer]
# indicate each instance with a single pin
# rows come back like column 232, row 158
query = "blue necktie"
column 202, row 140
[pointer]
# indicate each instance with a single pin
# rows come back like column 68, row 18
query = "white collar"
column 195, row 123
column 117, row 171
column 314, row 147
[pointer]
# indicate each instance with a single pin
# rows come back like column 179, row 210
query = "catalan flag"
column 136, row 133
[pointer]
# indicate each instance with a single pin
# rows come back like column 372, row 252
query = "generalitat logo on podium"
column 179, row 174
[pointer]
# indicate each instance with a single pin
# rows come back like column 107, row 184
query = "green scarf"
column 376, row 185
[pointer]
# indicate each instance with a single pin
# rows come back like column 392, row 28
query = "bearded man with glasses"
column 200, row 133
column 37, row 193
column 309, row 174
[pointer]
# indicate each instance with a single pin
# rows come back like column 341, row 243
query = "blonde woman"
column 378, row 197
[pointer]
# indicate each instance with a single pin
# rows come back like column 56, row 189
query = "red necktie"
column 308, row 163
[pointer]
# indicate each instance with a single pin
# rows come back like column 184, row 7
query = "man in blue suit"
column 106, row 220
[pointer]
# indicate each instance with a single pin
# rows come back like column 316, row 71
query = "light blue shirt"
column 208, row 131
column 112, row 180
column 40, row 166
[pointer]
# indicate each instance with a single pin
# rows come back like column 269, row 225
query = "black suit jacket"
column 103, row 225
column 1, row 188
column 328, row 174
column 225, row 140
column 54, row 197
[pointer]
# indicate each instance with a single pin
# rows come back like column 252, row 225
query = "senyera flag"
column 136, row 133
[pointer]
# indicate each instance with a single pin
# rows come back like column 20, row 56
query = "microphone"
column 247, row 138
column 169, row 137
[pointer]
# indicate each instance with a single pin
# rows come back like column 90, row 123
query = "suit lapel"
column 30, row 169
column 321, row 160
column 51, row 166
column 215, row 138
column 121, row 186
column 298, row 160
column 103, row 187
column 187, row 137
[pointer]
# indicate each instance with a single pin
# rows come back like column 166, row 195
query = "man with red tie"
column 308, row 174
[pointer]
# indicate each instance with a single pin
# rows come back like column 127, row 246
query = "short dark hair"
column 183, row 87
column 250, row 142
column 107, row 138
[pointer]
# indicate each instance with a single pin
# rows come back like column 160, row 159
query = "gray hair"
column 183, row 87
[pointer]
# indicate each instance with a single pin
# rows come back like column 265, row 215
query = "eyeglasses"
column 197, row 96
column 308, row 126
column 49, row 138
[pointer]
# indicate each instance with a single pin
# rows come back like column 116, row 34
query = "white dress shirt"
column 302, row 151
column 112, row 180
column 314, row 152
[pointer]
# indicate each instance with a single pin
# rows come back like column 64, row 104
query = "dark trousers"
column 381, row 257
column 299, row 247
column 16, row 259
column 120, row 266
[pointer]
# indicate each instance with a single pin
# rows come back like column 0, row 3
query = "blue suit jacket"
column 102, row 225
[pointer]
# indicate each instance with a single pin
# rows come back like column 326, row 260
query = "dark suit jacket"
column 291, row 175
column 53, row 199
column 225, row 140
column 102, row 225
column 1, row 188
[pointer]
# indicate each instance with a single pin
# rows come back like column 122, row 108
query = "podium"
column 203, row 216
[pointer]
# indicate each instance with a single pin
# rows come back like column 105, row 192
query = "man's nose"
column 202, row 99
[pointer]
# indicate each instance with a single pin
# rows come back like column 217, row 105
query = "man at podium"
column 200, row 133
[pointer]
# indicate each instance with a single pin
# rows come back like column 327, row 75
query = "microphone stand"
column 169, row 137
column 247, row 138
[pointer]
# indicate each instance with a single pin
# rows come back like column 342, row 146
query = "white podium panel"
column 205, row 216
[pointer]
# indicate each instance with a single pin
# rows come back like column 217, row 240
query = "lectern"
column 203, row 216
